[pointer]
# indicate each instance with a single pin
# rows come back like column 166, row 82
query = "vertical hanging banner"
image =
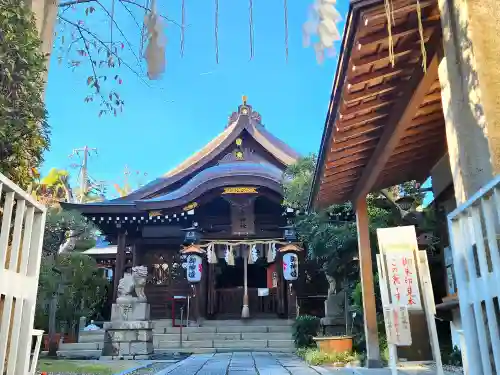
column 398, row 246
column 397, row 325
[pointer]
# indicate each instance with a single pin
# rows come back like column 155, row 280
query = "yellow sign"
column 240, row 190
column 190, row 206
column 154, row 213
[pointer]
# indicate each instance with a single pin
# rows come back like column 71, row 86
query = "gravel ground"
column 151, row 369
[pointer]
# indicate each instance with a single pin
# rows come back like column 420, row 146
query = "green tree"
column 24, row 132
column 81, row 285
column 67, row 230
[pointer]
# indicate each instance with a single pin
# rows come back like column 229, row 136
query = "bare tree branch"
column 74, row 2
column 121, row 32
column 96, row 79
column 110, row 50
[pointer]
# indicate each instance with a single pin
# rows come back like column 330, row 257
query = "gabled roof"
column 204, row 175
column 244, row 119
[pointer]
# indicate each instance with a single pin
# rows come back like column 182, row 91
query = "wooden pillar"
column 119, row 263
column 281, row 285
column 367, row 285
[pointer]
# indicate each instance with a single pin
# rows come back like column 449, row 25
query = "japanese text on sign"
column 397, row 325
column 402, row 278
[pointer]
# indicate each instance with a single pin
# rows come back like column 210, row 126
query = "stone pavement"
column 264, row 363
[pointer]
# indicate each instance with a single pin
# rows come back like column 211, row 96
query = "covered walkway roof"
column 385, row 123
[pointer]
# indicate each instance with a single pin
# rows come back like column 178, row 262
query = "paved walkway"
column 257, row 363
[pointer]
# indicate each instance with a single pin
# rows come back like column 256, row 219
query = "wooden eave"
column 385, row 123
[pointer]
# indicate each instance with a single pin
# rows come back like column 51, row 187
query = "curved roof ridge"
column 244, row 119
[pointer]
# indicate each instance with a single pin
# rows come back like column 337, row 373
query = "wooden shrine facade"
column 231, row 190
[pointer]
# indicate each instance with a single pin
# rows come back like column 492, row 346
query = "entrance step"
column 81, row 346
column 248, row 322
column 79, row 354
column 91, row 336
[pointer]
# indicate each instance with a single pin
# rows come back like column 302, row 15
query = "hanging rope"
column 285, row 6
column 250, row 21
column 143, row 31
column 422, row 41
column 183, row 25
column 217, row 31
column 112, row 21
column 390, row 21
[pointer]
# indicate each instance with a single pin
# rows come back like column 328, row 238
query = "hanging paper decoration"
column 271, row 253
column 157, row 41
column 211, row 256
column 250, row 258
column 255, row 253
column 194, row 268
column 229, row 256
column 290, row 266
column 322, row 21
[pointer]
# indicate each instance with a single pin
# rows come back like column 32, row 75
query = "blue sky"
column 163, row 124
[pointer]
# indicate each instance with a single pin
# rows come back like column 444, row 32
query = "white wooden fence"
column 473, row 229
column 21, row 238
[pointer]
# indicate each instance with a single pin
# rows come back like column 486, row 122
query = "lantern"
column 194, row 268
column 289, row 233
column 290, row 266
column 193, row 235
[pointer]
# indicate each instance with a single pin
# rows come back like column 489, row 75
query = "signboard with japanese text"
column 290, row 266
column 397, row 325
column 398, row 246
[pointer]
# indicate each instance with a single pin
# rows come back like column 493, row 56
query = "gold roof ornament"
column 244, row 99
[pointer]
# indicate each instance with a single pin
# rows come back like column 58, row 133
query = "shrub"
column 316, row 357
column 304, row 329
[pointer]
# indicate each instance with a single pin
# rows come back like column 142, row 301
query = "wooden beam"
column 345, row 152
column 400, row 119
column 357, row 121
column 351, row 98
column 357, row 133
column 379, row 74
column 345, row 168
column 362, row 107
column 396, row 32
column 377, row 14
column 407, row 47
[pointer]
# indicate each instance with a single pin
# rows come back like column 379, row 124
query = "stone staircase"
column 269, row 335
column 89, row 346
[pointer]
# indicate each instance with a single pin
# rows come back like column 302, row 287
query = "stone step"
column 221, row 336
column 81, row 346
column 91, row 336
column 79, row 354
column 188, row 330
column 184, row 350
column 281, row 344
column 185, row 344
column 249, row 322
column 239, row 344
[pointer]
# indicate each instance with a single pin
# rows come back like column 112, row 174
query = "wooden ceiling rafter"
column 400, row 118
column 382, row 115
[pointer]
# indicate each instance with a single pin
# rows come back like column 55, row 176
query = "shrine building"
column 224, row 203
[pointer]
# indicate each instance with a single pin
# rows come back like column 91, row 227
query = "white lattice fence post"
column 21, row 238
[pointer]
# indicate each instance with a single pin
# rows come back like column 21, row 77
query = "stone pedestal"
column 129, row 334
column 334, row 322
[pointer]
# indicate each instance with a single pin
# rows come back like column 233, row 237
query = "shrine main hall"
column 229, row 198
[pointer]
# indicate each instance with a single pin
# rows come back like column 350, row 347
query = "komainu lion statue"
column 133, row 283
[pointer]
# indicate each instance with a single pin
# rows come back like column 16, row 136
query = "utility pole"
column 84, row 177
